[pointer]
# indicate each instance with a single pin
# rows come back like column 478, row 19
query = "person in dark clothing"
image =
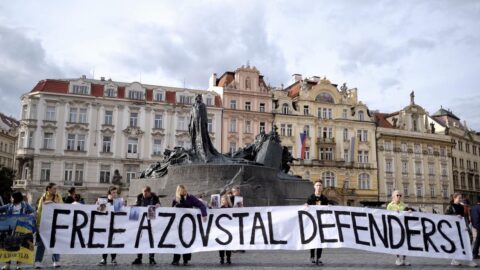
column 317, row 198
column 185, row 200
column 71, row 196
column 225, row 203
column 146, row 198
column 111, row 195
column 475, row 218
column 457, row 209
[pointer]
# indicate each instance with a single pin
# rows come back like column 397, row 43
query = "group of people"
column 183, row 199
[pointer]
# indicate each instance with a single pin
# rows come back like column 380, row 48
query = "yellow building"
column 413, row 159
column 340, row 138
column 8, row 138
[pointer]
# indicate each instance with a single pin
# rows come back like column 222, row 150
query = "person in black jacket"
column 146, row 198
column 111, row 196
column 317, row 198
column 225, row 203
column 475, row 218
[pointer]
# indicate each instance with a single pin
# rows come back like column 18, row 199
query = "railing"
column 21, row 183
column 132, row 155
column 325, row 140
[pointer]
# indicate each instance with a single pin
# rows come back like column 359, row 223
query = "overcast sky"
column 384, row 48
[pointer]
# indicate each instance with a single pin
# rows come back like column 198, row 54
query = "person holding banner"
column 185, row 200
column 475, row 219
column 225, row 203
column 397, row 205
column 17, row 207
column 317, row 198
column 144, row 199
column 50, row 196
column 456, row 208
column 111, row 196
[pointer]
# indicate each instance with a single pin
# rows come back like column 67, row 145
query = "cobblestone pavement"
column 332, row 259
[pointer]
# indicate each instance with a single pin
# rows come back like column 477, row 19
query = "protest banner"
column 16, row 238
column 81, row 229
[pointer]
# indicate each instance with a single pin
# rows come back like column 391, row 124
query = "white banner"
column 87, row 229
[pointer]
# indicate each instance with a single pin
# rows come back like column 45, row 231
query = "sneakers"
column 102, row 262
column 229, row 261
column 312, row 260
column 405, row 262
column 152, row 261
column 222, row 260
column 318, row 262
column 114, row 262
column 137, row 261
column 399, row 261
column 455, row 263
column 175, row 263
column 472, row 264
column 56, row 264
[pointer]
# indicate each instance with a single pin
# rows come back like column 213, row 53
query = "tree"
column 7, row 176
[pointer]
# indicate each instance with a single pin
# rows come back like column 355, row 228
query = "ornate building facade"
column 339, row 145
column 413, row 159
column 247, row 106
column 465, row 153
column 8, row 139
column 79, row 132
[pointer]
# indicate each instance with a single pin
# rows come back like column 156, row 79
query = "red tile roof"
column 380, row 119
column 55, row 86
column 218, row 101
column 170, row 97
column 97, row 90
column 121, row 92
column 149, row 95
column 9, row 121
column 226, row 79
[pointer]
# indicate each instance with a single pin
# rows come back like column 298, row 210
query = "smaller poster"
column 102, row 204
column 134, row 213
column 151, row 212
column 117, row 204
column 238, row 201
column 215, row 201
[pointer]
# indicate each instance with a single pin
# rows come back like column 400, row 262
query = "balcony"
column 325, row 140
column 21, row 183
column 25, row 152
column 73, row 183
column 132, row 155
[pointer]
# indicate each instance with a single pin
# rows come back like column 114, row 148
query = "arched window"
column 364, row 181
column 248, row 83
column 325, row 98
column 361, row 115
column 285, row 108
column 328, row 179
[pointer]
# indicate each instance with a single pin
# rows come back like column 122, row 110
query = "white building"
column 77, row 132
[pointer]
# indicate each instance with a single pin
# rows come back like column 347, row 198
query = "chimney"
column 102, row 79
column 84, row 76
column 296, row 77
column 213, row 80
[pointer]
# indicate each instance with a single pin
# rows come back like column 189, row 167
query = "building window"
column 460, row 146
column 307, row 153
column 80, row 90
column 181, row 123
column 430, row 150
column 474, row 148
column 159, row 96
column 285, row 108
column 73, row 115
column 132, row 146
column 107, row 144
column 388, row 166
column 110, row 92
column 388, row 146
column 431, row 170
column 328, row 179
column 108, row 119
column 30, row 144
column 361, row 116
column 68, row 174
column 404, row 167
column 289, row 130
column 247, row 106
column 133, row 119
column 232, row 147
column 262, row 127
column 362, row 156
column 131, row 172
column 344, row 114
column 262, row 107
column 82, row 116
column 405, row 190
column 305, row 110
column 209, row 101
column 24, row 112
column 50, row 114
column 362, row 135
column 80, row 142
column 403, row 147
column 418, row 168
column 432, row 191
column 417, row 149
column 364, row 181
column 326, row 132
column 306, row 130
column 345, row 134
column 45, row 172
column 71, row 142
column 48, row 140
column 419, row 191
column 233, row 125
column 78, row 175
column 345, row 155
column 461, row 163
column 33, row 111
column 136, row 95
column 282, row 129
column 248, row 126
column 104, row 174
column 443, row 168
column 158, row 121
column 157, row 147
column 443, row 152
column 467, row 147
column 326, row 153
column 233, row 104
column 389, row 189
column 210, row 125
column 21, row 141
column 185, row 99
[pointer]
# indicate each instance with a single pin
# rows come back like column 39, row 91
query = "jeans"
column 319, row 253
column 476, row 242
column 186, row 257
column 41, row 251
column 223, row 252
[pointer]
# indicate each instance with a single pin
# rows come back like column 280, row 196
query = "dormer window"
column 137, row 95
column 80, row 90
column 110, row 92
column 209, row 101
column 159, row 95
column 184, row 99
column 361, row 116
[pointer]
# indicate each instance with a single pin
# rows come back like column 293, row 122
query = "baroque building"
column 465, row 153
column 247, row 106
column 79, row 132
column 331, row 134
column 8, row 139
column 413, row 159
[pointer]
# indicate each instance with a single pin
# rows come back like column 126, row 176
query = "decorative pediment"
column 49, row 125
column 158, row 132
column 232, row 136
column 108, row 130
column 76, row 127
column 182, row 133
column 133, row 131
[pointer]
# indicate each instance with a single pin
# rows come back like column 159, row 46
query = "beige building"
column 413, row 159
column 340, row 144
column 8, row 139
column 465, row 153
column 247, row 104
column 79, row 132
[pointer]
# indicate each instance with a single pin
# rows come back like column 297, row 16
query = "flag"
column 303, row 144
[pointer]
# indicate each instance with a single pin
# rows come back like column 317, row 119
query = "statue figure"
column 286, row 159
column 412, row 98
column 117, row 178
column 202, row 146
